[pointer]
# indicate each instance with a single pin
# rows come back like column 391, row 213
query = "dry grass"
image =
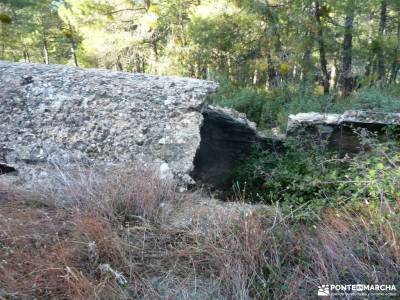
column 44, row 251
column 343, row 249
column 116, row 192
column 99, row 229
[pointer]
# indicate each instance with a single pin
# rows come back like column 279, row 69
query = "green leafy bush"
column 310, row 180
column 271, row 109
column 5, row 19
column 296, row 178
column 258, row 105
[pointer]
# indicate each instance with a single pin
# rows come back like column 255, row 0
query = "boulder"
column 341, row 132
column 65, row 114
column 52, row 115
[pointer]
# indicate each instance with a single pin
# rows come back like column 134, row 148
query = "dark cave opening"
column 225, row 141
column 6, row 169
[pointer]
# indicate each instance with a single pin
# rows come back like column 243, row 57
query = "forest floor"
column 53, row 252
column 141, row 240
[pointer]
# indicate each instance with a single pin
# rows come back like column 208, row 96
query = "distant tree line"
column 338, row 44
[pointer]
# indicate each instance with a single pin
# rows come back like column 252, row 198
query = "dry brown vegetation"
column 112, row 240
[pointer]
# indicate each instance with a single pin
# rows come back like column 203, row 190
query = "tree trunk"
column 382, row 29
column 336, row 78
column 333, row 74
column 347, row 80
column 44, row 41
column 3, row 47
column 272, row 74
column 306, row 62
column 255, row 77
column 371, row 56
column 307, row 65
column 396, row 59
column 119, row 65
column 45, row 51
column 154, row 54
column 73, row 45
column 27, row 57
column 321, row 48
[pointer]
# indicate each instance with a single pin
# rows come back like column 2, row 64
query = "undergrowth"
column 271, row 109
column 310, row 179
column 112, row 239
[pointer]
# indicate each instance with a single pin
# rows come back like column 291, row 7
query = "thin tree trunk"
column 272, row 80
column 382, row 29
column 396, row 62
column 72, row 37
column 333, row 74
column 307, row 63
column 73, row 45
column 368, row 67
column 119, row 65
column 45, row 51
column 347, row 80
column 3, row 44
column 273, row 72
column 321, row 48
column 45, row 45
column 336, row 78
column 154, row 54
column 27, row 57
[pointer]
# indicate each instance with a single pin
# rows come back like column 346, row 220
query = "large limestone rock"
column 341, row 132
column 58, row 112
column 58, row 115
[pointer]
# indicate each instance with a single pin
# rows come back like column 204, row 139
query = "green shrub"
column 294, row 178
column 377, row 99
column 5, row 19
column 259, row 106
column 307, row 181
column 271, row 108
column 247, row 101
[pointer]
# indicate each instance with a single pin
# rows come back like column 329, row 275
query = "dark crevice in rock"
column 225, row 141
column 27, row 80
column 5, row 169
column 344, row 138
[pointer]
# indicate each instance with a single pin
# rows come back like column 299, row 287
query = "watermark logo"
column 323, row 290
column 357, row 290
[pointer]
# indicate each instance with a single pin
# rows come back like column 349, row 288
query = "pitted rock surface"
column 339, row 132
column 58, row 112
column 350, row 116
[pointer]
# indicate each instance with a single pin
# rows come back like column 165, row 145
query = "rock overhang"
column 53, row 114
column 73, row 114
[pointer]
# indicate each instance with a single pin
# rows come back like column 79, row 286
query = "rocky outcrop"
column 57, row 115
column 341, row 132
column 71, row 114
